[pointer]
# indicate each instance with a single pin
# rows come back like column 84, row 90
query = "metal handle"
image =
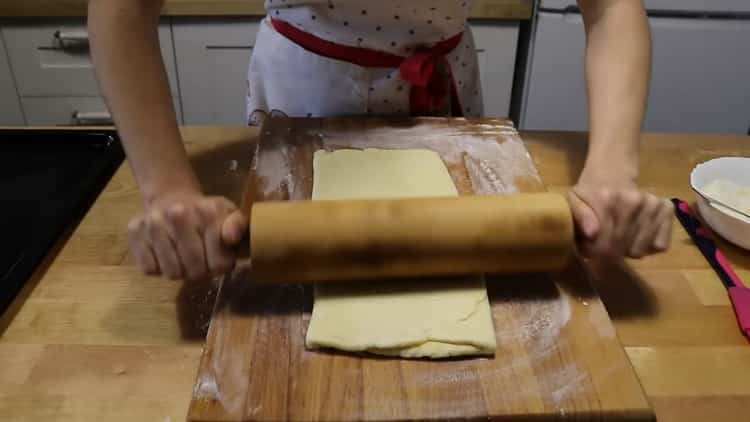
column 229, row 47
column 82, row 118
column 80, row 37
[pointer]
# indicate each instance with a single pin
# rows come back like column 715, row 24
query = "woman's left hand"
column 616, row 219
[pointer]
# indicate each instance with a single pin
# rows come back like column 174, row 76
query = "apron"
column 320, row 58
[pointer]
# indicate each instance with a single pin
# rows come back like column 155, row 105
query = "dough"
column 730, row 193
column 417, row 318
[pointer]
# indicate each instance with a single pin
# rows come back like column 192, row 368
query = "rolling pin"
column 335, row 240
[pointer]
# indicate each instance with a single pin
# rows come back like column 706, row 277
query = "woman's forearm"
column 129, row 66
column 618, row 67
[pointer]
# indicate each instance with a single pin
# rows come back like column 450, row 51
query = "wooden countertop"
column 483, row 9
column 91, row 339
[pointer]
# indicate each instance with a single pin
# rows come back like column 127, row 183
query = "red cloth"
column 427, row 93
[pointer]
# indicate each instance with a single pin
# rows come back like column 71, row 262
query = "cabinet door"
column 10, row 108
column 496, row 47
column 699, row 76
column 51, row 58
column 555, row 88
column 213, row 57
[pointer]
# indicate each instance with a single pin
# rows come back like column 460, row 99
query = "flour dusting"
column 225, row 366
column 540, row 322
column 206, row 388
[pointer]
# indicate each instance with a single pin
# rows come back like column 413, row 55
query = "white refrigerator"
column 700, row 71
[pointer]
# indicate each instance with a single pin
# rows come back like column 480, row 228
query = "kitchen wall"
column 700, row 73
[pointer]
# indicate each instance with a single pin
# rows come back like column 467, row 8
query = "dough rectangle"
column 407, row 318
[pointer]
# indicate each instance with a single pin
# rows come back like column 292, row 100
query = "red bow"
column 429, row 91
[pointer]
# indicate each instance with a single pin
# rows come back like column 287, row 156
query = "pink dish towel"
column 739, row 295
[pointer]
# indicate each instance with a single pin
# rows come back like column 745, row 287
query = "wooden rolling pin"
column 331, row 240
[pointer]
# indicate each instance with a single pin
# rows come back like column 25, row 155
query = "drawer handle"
column 72, row 37
column 83, row 118
column 229, row 47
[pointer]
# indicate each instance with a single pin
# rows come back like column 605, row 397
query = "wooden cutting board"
column 558, row 357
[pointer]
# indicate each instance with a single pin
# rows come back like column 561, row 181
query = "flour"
column 206, row 388
column 484, row 180
column 735, row 195
column 540, row 322
column 224, row 366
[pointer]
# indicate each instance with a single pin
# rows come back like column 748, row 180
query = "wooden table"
column 91, row 339
column 482, row 9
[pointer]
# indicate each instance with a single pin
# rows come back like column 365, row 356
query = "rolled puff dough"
column 421, row 318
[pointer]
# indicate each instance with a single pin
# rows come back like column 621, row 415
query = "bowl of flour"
column 726, row 179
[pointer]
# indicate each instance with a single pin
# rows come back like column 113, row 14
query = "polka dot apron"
column 356, row 57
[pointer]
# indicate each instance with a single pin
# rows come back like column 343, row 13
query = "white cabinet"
column 54, row 75
column 10, row 108
column 51, row 58
column 496, row 48
column 213, row 58
column 555, row 90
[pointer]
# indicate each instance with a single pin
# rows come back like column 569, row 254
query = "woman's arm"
column 182, row 233
column 618, row 70
column 614, row 216
column 129, row 66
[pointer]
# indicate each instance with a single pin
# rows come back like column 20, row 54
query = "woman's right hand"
column 187, row 236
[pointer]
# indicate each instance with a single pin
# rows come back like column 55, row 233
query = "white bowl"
column 732, row 227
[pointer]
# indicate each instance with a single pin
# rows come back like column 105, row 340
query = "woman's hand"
column 187, row 236
column 614, row 218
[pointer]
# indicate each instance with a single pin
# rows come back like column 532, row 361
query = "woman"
column 331, row 57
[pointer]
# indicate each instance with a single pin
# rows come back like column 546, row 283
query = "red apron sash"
column 427, row 93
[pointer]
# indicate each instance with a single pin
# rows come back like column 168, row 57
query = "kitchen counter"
column 91, row 339
column 483, row 9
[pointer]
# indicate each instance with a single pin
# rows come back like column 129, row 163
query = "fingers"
column 234, row 228
column 185, row 228
column 600, row 203
column 627, row 211
column 163, row 246
column 644, row 234
column 605, row 243
column 187, row 237
column 140, row 247
column 630, row 222
column 650, row 222
column 585, row 218
column 219, row 256
column 664, row 232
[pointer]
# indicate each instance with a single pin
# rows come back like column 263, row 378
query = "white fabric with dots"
column 285, row 77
